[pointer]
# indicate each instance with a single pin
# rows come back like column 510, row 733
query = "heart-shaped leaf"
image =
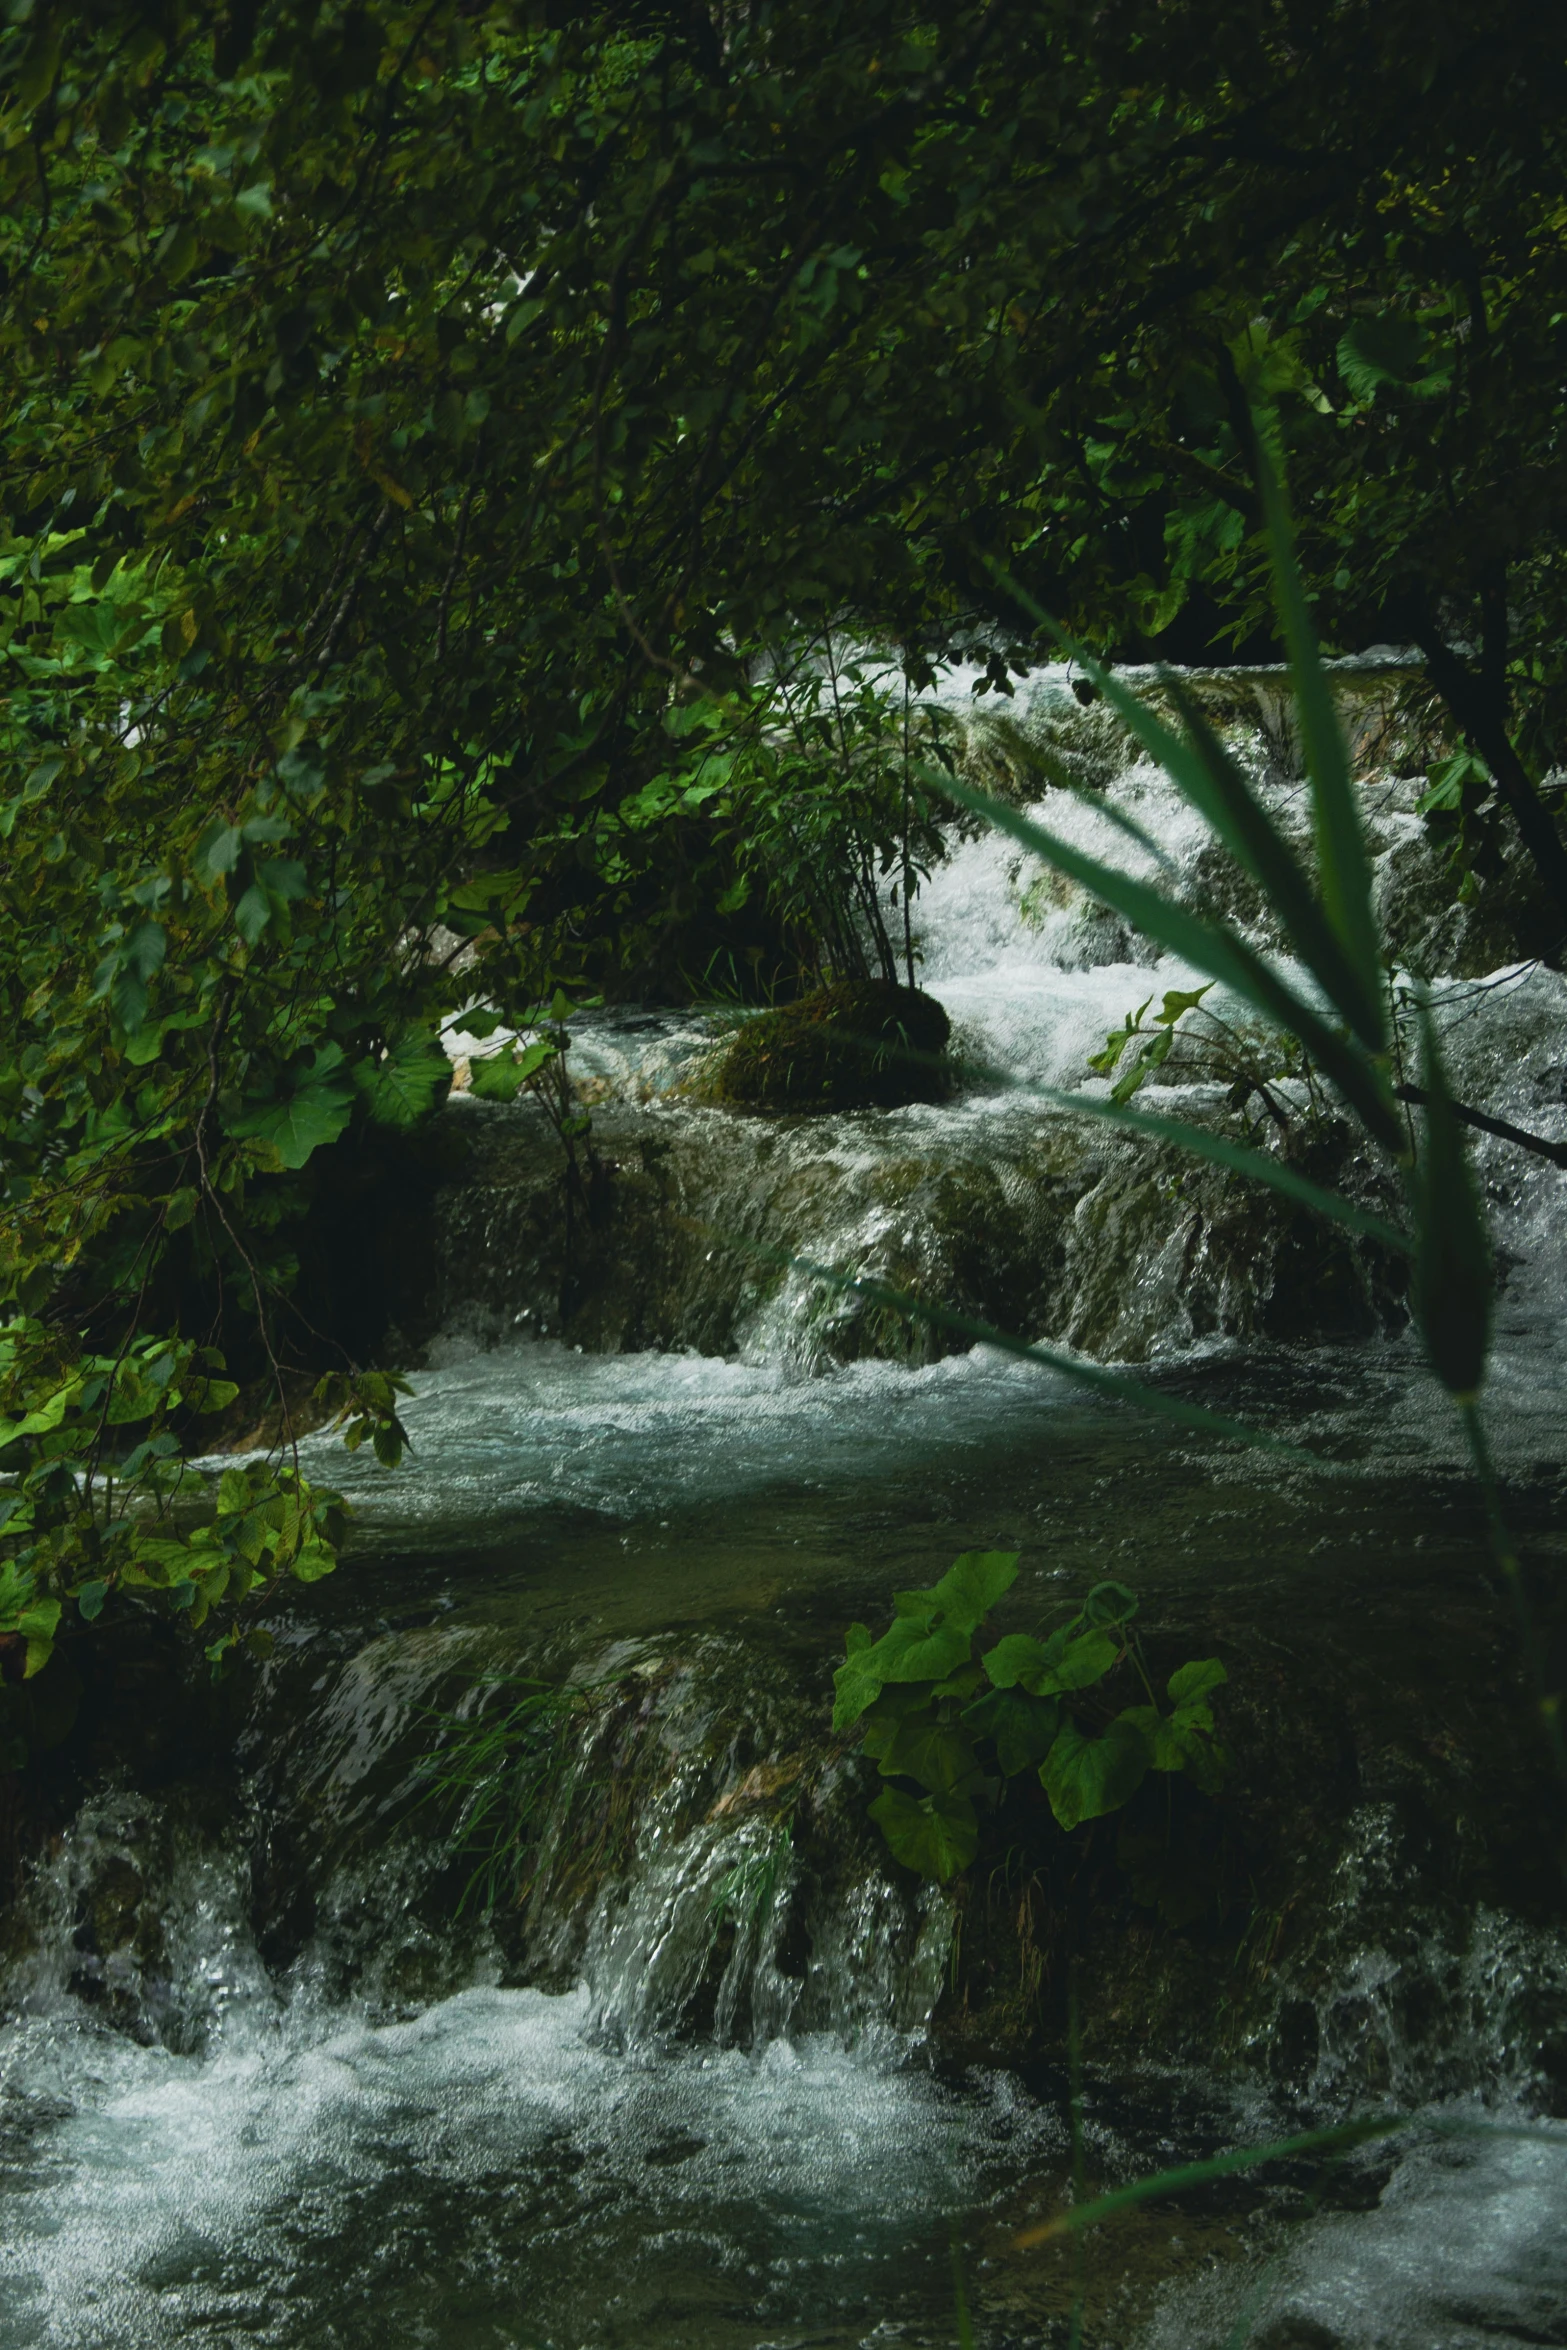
column 1087, row 1777
column 936, row 1753
column 935, row 1835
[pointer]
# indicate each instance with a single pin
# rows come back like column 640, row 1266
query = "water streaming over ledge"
column 268, row 2078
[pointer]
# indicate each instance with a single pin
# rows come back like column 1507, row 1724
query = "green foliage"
column 1330, row 926
column 447, row 450
column 1193, row 1042
column 100, row 1500
column 960, row 1726
column 495, row 1771
column 828, row 811
column 1156, row 1051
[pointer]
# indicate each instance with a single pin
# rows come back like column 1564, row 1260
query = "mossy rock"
column 855, row 1046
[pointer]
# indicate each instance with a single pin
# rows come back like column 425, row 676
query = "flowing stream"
column 293, row 2058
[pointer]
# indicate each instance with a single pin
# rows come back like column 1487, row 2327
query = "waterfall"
column 361, row 2023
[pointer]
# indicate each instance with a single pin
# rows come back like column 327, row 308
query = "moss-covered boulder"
column 857, row 1045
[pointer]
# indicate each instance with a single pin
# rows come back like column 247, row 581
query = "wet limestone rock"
column 859, row 1044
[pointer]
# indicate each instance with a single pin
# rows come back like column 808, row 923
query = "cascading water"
column 295, row 2057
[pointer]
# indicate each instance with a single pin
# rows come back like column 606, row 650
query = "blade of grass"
column 1210, row 779
column 1277, row 871
column 1046, row 763
column 1453, row 1283
column 960, row 2297
column 1243, row 2158
column 1078, row 2216
column 1341, row 842
column 1509, row 1567
column 1241, row 1158
column 1074, row 2050
column 1210, row 947
column 1095, row 1376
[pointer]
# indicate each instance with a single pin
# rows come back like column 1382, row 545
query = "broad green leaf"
column 967, row 1591
column 1194, row 1681
column 1177, row 1742
column 1048, row 1667
column 1447, row 780
column 935, row 1835
column 234, row 1491
column 938, row 1754
column 314, row 1111
column 857, row 1684
column 134, row 1397
column 218, row 850
column 214, row 1395
column 500, row 1077
column 1387, row 350
column 160, row 1565
column 1022, row 1728
column 18, row 1594
column 406, row 1083
column 312, row 1561
column 1087, row 1777
column 44, row 1417
column 885, row 1717
column 1108, row 1604
column 908, row 1651
column 1017, row 1661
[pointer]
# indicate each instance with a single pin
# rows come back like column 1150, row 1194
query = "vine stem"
column 1509, row 1568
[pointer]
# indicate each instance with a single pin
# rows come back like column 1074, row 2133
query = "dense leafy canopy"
column 432, row 432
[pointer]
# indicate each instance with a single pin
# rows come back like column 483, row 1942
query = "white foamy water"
column 508, row 2168
column 486, row 2174
column 1465, row 2250
column 537, row 1425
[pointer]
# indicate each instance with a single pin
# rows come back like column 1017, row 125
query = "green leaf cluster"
column 949, row 1728
column 99, row 1498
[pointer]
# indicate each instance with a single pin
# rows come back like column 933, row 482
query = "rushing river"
column 273, row 2075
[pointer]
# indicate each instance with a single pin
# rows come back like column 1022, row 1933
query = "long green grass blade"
column 1061, row 778
column 1258, row 845
column 1198, row 2174
column 1240, row 1157
column 1341, row 841
column 1340, row 2137
column 1210, row 947
column 1453, row 1284
column 1204, row 771
column 960, row 2297
column 1082, row 1373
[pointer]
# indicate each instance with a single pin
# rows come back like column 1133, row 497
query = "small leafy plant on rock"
column 947, row 1729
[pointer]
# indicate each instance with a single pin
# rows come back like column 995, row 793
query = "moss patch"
column 858, row 1045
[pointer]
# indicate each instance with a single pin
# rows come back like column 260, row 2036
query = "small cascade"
column 531, row 1970
column 993, row 1205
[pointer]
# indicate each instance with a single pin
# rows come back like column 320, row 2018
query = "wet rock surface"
column 1034, row 1222
column 857, row 1045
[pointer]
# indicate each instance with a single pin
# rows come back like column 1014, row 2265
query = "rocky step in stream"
column 306, row 2043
